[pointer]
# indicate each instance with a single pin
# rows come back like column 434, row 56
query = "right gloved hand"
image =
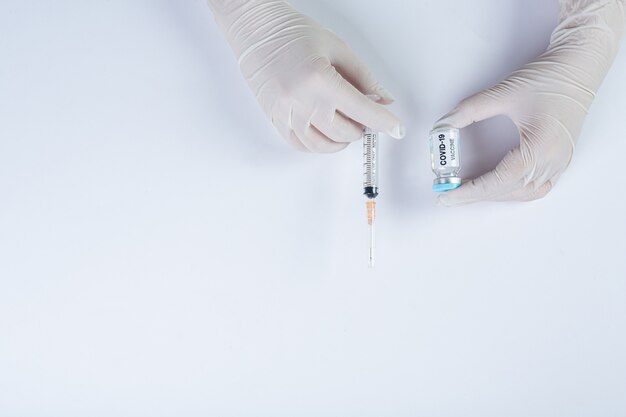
column 548, row 100
column 308, row 81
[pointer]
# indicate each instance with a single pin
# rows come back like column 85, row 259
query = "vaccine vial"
column 445, row 156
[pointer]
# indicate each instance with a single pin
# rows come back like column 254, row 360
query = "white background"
column 163, row 252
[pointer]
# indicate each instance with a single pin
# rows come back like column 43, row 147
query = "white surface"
column 162, row 252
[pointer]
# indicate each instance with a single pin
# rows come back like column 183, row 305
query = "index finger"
column 352, row 103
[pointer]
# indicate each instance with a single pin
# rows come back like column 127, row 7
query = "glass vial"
column 445, row 157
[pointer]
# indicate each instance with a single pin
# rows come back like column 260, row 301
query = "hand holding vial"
column 548, row 100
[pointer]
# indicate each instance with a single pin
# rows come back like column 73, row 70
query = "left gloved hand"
column 310, row 84
column 548, row 100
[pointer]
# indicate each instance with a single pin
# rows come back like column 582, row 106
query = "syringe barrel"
column 370, row 163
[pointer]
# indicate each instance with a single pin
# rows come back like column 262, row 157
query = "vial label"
column 446, row 158
column 446, row 149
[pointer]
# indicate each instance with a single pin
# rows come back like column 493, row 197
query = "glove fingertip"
column 398, row 132
column 450, row 120
column 457, row 197
column 384, row 101
column 385, row 96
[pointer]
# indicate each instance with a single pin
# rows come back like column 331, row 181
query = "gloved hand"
column 548, row 100
column 307, row 80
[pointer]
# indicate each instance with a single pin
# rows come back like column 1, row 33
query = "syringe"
column 370, row 182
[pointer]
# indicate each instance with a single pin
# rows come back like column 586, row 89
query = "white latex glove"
column 307, row 80
column 548, row 100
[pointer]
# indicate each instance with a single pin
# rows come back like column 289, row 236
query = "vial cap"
column 442, row 188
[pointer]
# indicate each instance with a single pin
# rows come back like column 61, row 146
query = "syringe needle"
column 371, row 260
column 371, row 218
